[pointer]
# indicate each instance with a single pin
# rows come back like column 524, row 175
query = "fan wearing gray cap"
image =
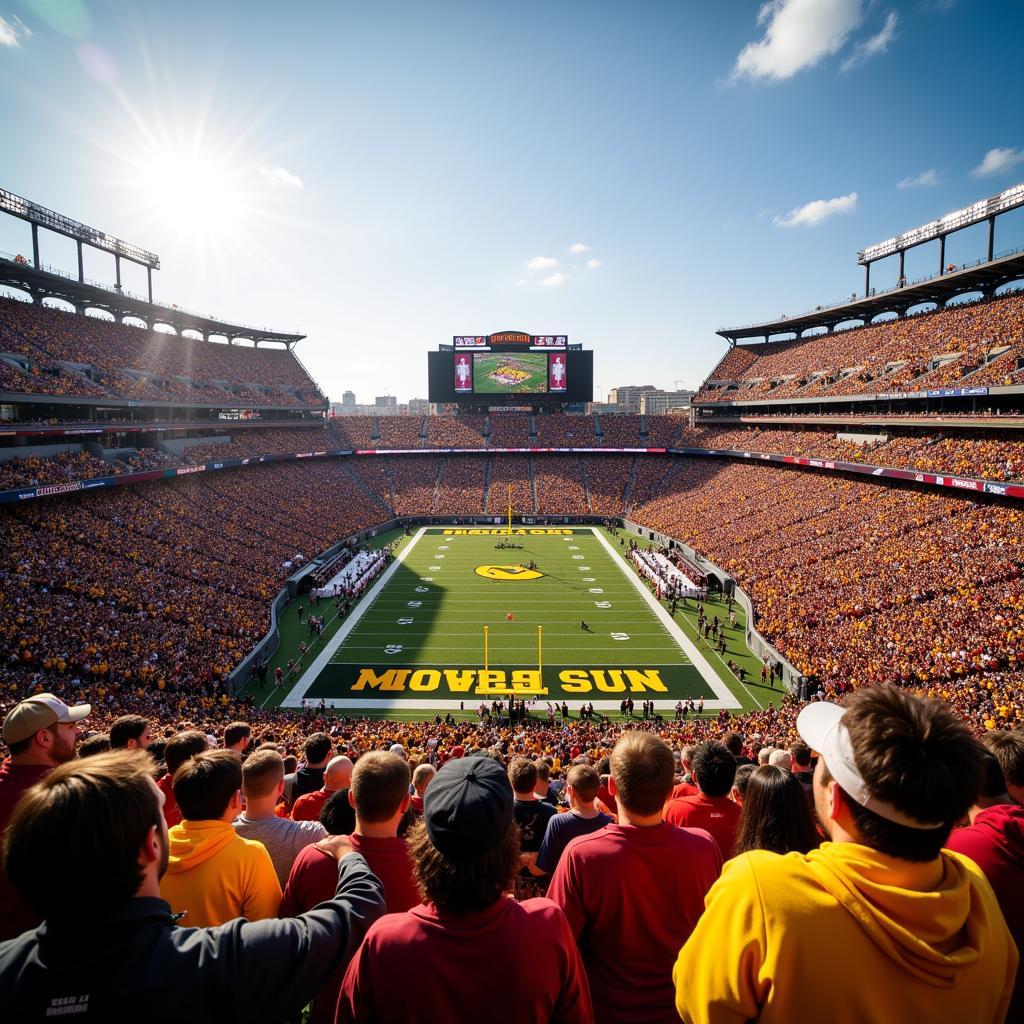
column 444, row 959
column 880, row 923
column 40, row 734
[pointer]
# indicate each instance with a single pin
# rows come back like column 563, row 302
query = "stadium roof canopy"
column 48, row 282
column 985, row 276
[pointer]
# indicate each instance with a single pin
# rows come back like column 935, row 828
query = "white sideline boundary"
column 723, row 697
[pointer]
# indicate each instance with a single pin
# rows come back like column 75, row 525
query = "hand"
column 339, row 847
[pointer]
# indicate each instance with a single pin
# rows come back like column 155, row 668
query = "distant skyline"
column 384, row 176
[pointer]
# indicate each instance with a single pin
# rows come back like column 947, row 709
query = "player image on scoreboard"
column 463, row 372
column 556, row 371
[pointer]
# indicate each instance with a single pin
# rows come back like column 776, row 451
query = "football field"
column 458, row 619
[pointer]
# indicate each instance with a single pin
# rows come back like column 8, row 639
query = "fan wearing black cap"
column 879, row 924
column 41, row 733
column 470, row 952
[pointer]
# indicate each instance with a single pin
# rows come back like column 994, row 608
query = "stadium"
column 516, row 580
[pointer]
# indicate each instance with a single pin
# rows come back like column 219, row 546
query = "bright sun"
column 191, row 193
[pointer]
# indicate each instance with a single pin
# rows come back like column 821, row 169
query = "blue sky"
column 387, row 175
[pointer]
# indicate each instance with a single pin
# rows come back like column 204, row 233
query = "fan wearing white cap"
column 40, row 734
column 880, row 923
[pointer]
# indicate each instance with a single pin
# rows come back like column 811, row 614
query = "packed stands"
column 462, row 431
column 663, row 431
column 460, row 486
column 354, row 431
column 35, row 470
column 505, row 471
column 248, row 444
column 559, row 483
column 54, row 352
column 561, row 431
column 620, row 431
column 965, row 345
column 400, row 432
column 509, row 430
column 607, row 477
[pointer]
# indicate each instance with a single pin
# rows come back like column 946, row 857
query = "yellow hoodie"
column 847, row 935
column 215, row 875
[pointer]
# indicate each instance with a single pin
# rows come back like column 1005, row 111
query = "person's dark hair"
column 714, row 768
column 87, row 819
column 204, row 785
column 463, row 886
column 236, row 731
column 336, row 814
column 97, row 744
column 522, row 773
column 916, row 755
column 183, row 745
column 291, row 764
column 993, row 782
column 317, row 748
column 604, row 766
column 543, row 771
column 776, row 815
column 125, row 728
column 1008, row 748
column 733, row 742
column 585, row 782
column 801, row 754
column 644, row 772
column 742, row 780
column 380, row 782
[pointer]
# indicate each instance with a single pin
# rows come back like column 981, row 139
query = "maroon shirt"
column 718, row 815
column 15, row 914
column 314, row 879
column 426, row 965
column 632, row 896
column 995, row 842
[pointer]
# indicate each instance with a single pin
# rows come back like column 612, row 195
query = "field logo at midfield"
column 507, row 572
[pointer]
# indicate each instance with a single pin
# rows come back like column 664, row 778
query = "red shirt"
column 314, row 879
column 172, row 812
column 15, row 914
column 995, row 842
column 632, row 896
column 718, row 815
column 684, row 789
column 308, row 807
column 425, row 965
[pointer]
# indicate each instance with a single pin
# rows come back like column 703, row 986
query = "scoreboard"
column 511, row 364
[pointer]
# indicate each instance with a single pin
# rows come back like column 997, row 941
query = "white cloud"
column 593, row 264
column 997, row 160
column 811, row 214
column 799, row 34
column 521, row 282
column 578, row 248
column 554, row 280
column 13, row 32
column 878, row 43
column 540, row 263
column 926, row 179
column 279, row 177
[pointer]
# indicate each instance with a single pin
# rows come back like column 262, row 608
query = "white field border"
column 724, row 698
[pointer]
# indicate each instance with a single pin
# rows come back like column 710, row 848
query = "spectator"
column 181, row 747
column 781, row 759
column 532, row 816
column 213, row 874
column 310, row 777
column 380, row 796
column 130, row 732
column 422, row 776
column 238, row 737
column 1008, row 748
column 98, row 743
column 40, row 733
column 801, row 766
column 917, row 929
column 740, row 783
column 686, row 787
column 582, row 785
column 994, row 840
column 466, row 855
column 714, row 768
column 132, row 954
column 775, row 814
column 336, row 778
column 634, row 890
column 284, row 839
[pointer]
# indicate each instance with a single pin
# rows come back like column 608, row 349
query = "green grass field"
column 416, row 640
